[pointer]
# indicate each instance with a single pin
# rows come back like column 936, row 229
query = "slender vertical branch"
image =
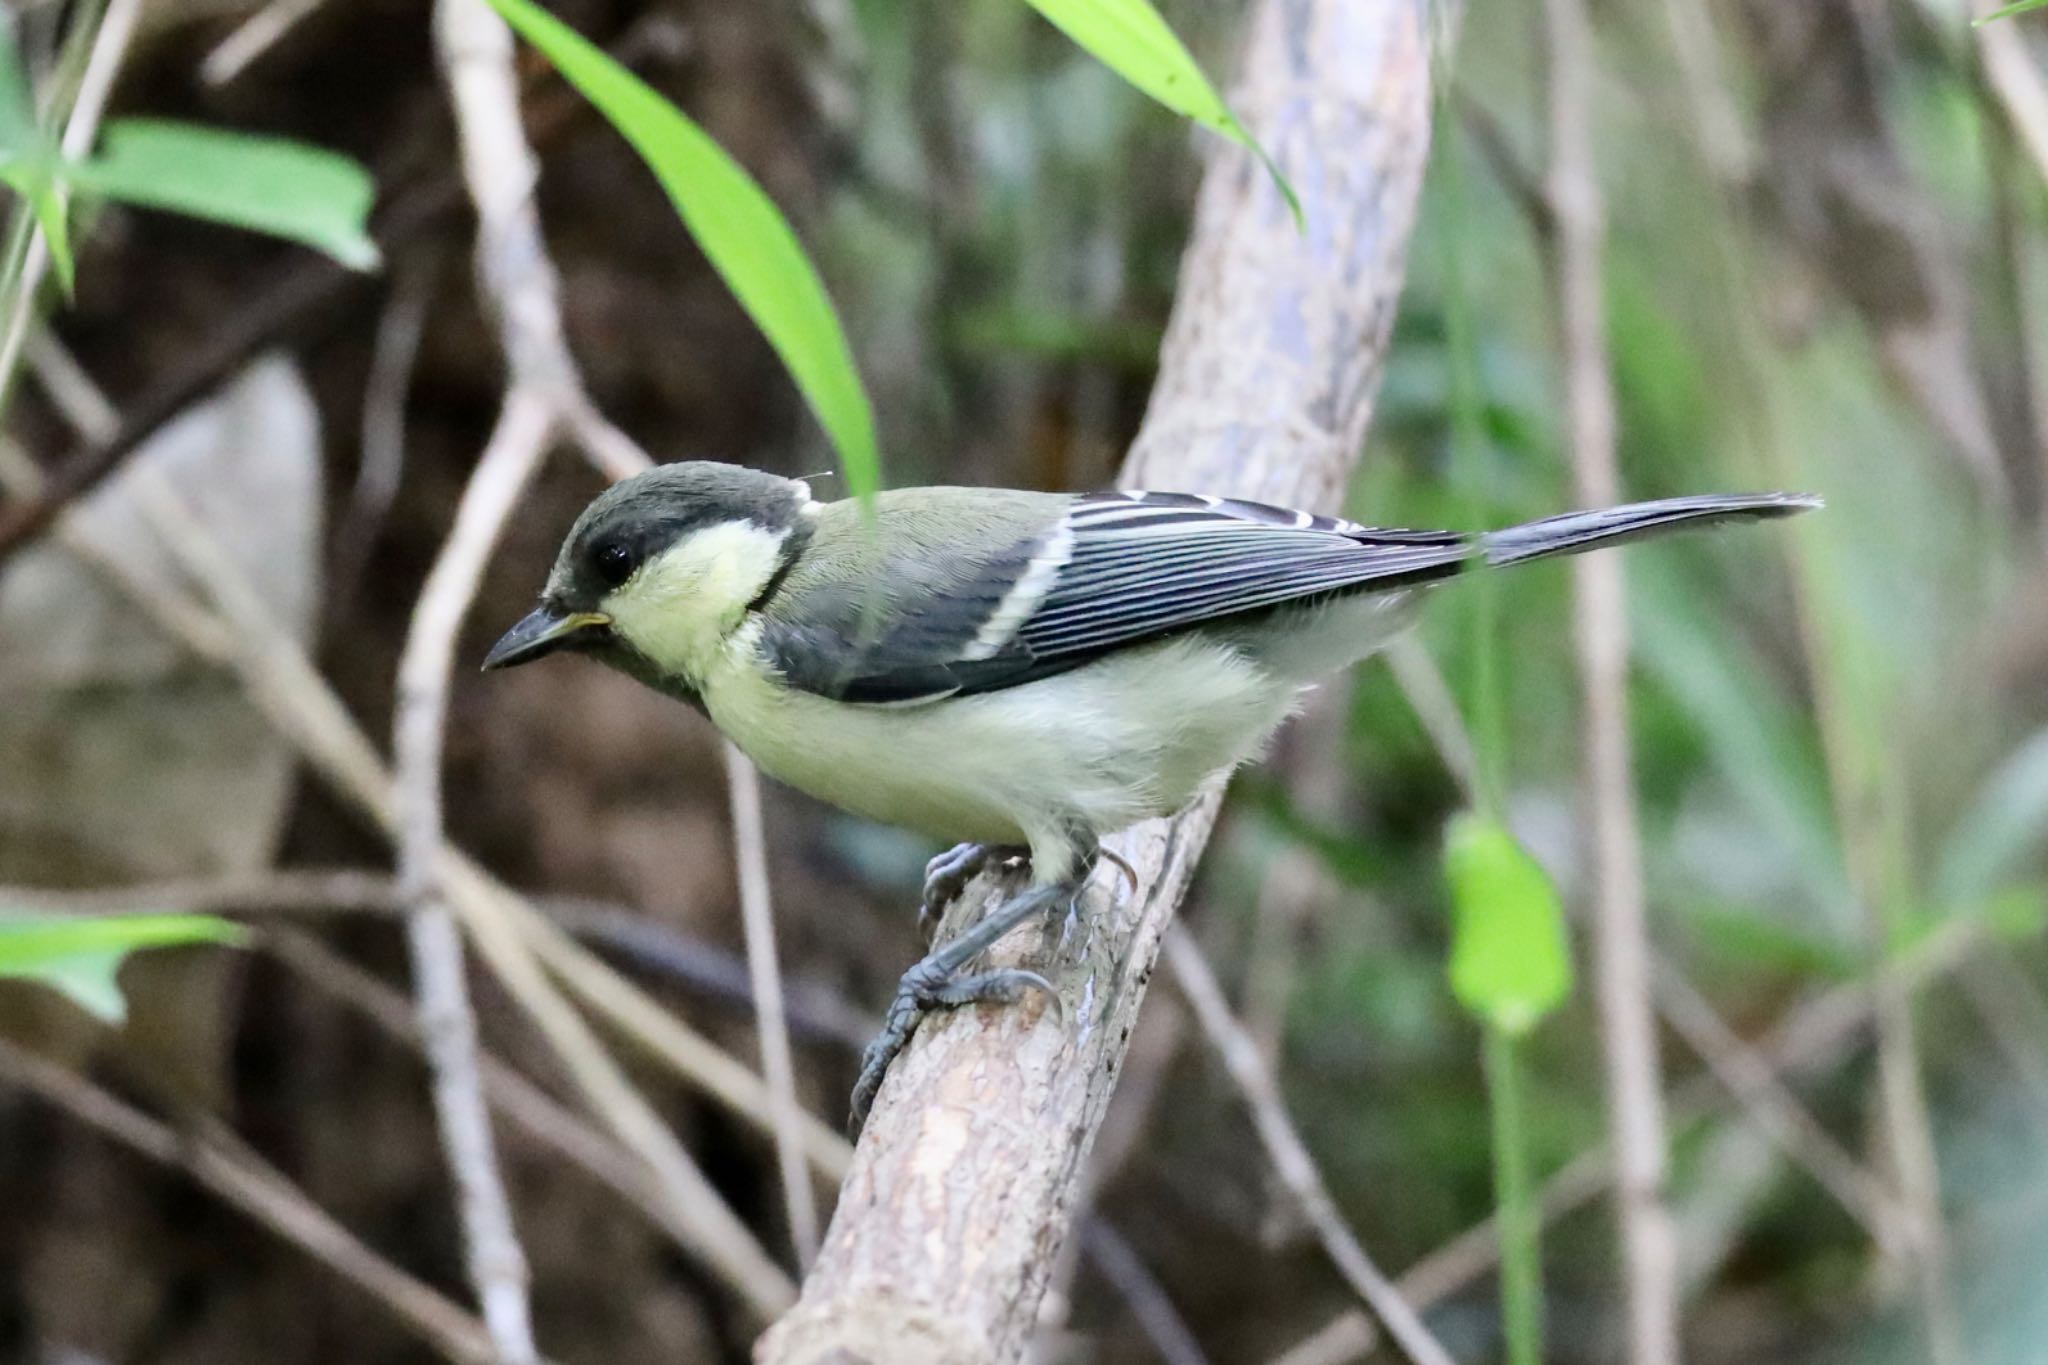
column 764, row 971
column 497, row 1265
column 1623, row 979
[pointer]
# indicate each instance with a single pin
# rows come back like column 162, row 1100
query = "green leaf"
column 18, row 130
column 1130, row 38
column 1510, row 961
column 28, row 160
column 273, row 185
column 81, row 957
column 741, row 232
column 2009, row 11
column 31, row 176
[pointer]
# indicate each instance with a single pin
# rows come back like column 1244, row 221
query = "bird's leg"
column 938, row 981
column 947, row 875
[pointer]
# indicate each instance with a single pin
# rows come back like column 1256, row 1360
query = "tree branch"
column 961, row 1188
column 1628, row 1025
column 242, row 1179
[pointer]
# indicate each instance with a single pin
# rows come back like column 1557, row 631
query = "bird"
column 1016, row 673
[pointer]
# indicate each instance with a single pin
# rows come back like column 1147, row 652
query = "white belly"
column 1087, row 752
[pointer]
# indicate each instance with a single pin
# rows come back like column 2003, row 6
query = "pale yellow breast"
column 1098, row 748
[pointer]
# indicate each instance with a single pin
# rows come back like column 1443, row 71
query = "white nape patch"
column 1024, row 596
column 681, row 605
column 806, row 505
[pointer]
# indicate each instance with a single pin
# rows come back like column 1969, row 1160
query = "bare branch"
column 2016, row 82
column 1628, row 1029
column 285, row 686
column 1156, row 1316
column 922, row 1263
column 497, row 1264
column 525, row 1104
column 757, row 916
column 252, row 38
column 1290, row 1156
column 1817, row 1036
column 1779, row 1114
column 381, row 463
column 240, row 1178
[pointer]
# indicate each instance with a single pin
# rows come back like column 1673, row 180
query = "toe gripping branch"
column 941, row 980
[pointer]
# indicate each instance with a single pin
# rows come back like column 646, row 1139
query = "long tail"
column 1575, row 531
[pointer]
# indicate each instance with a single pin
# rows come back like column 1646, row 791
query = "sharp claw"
column 1053, row 1000
column 938, row 981
column 1121, row 864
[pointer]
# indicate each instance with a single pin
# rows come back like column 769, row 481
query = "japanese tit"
column 997, row 667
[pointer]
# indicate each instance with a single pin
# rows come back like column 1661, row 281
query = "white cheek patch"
column 681, row 604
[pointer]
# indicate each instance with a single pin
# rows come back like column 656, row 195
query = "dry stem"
column 240, row 1178
column 1290, row 1156
column 497, row 1264
column 757, row 916
column 1628, row 1029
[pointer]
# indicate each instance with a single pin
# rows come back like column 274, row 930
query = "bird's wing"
column 1114, row 569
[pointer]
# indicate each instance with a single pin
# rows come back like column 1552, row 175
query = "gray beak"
column 543, row 631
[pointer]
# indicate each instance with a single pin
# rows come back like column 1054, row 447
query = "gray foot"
column 940, row 982
column 947, row 875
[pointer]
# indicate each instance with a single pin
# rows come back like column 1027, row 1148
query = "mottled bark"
column 961, row 1188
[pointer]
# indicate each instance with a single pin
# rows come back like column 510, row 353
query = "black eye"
column 613, row 562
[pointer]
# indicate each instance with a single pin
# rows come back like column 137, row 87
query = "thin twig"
column 1779, row 1114
column 283, row 305
column 303, row 709
column 1147, row 1299
column 252, row 38
column 1429, row 694
column 518, row 1099
column 296, row 890
column 496, row 1262
column 2008, row 1002
column 1628, row 1030
column 381, row 464
column 543, row 1118
column 705, row 1221
column 1813, row 1038
column 290, row 692
column 1290, row 1156
column 1749, row 1078
column 757, row 916
column 261, row 1192
column 2016, row 83
column 817, row 1013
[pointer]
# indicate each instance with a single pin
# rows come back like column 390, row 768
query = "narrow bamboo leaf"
column 2008, row 12
column 741, row 232
column 1133, row 40
column 18, row 130
column 82, row 957
column 31, row 176
column 28, row 159
column 273, row 185
column 1510, row 962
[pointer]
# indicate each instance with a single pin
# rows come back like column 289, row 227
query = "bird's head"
column 661, row 567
